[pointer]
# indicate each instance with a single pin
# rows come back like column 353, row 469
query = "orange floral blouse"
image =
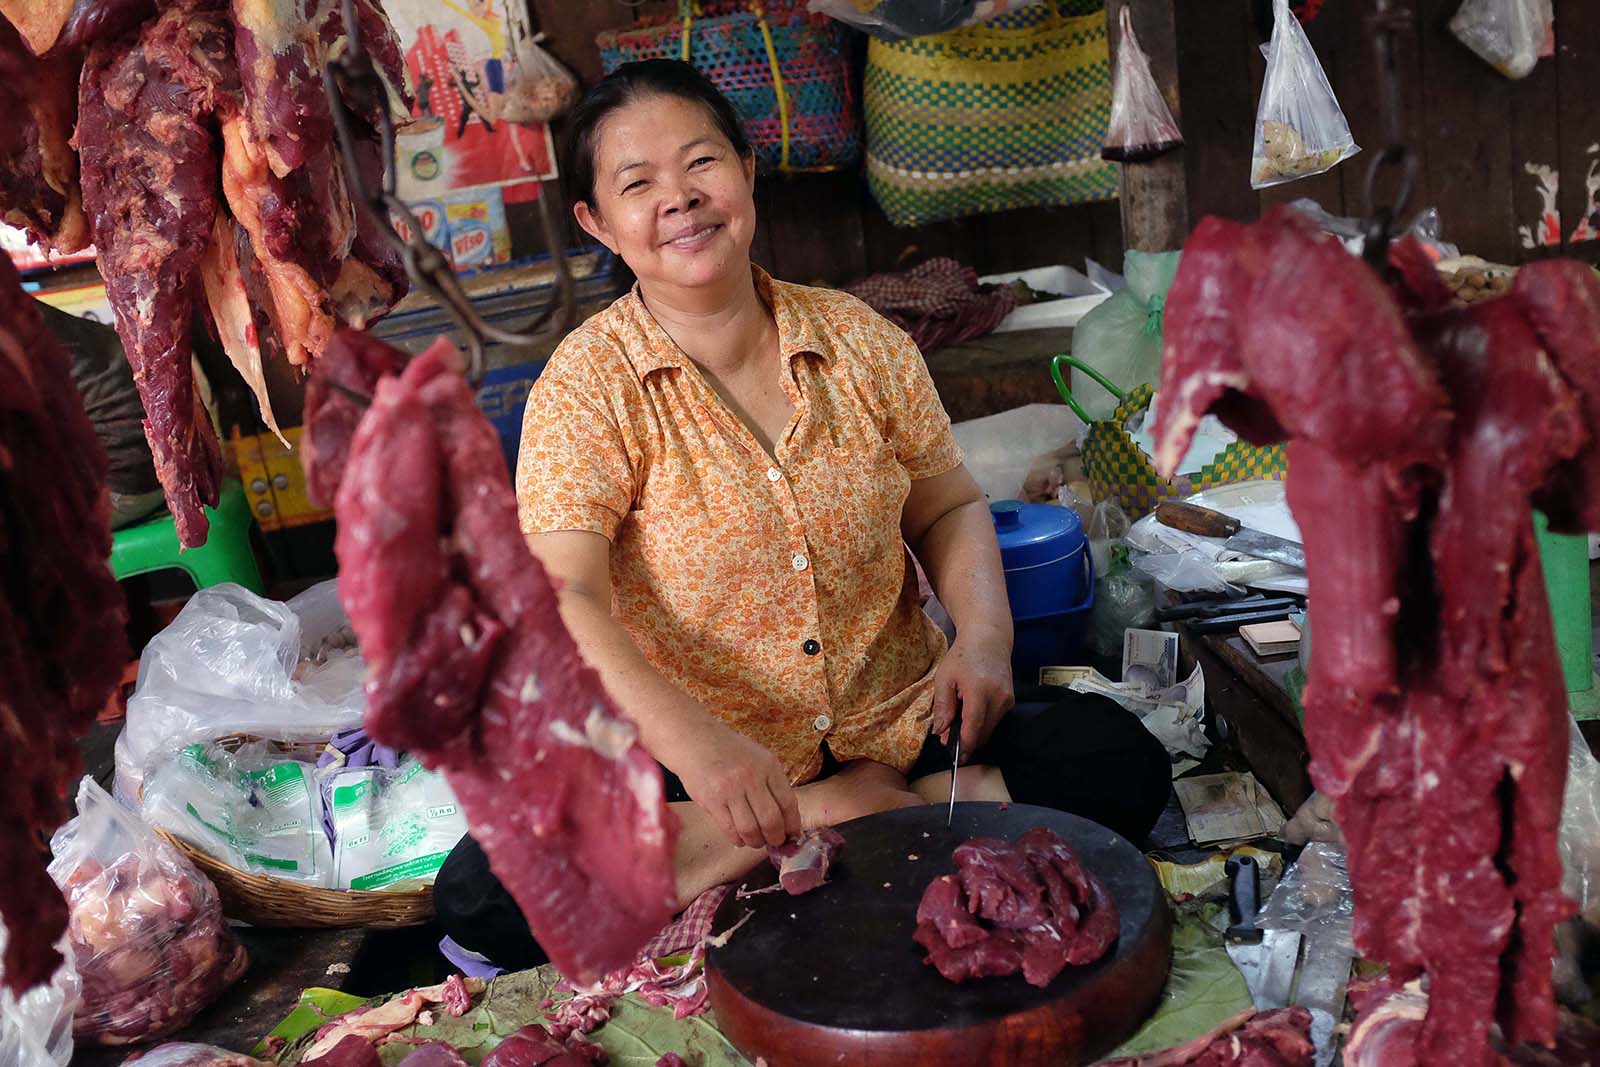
column 775, row 590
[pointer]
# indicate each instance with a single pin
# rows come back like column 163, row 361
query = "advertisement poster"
column 461, row 62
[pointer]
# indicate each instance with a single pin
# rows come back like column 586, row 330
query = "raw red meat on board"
column 469, row 664
column 1027, row 905
column 62, row 646
column 261, row 233
column 803, row 861
column 1419, row 435
column 1280, row 1038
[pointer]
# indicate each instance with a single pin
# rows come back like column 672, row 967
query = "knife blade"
column 955, row 763
column 1265, row 958
column 1191, row 518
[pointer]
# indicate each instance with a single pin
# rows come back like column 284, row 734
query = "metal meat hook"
column 1385, row 24
column 352, row 76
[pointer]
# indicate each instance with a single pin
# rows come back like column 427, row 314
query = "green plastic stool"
column 1566, row 576
column 225, row 557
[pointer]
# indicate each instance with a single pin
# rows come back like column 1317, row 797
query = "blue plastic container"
column 1049, row 581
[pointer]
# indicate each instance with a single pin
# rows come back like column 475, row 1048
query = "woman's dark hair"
column 635, row 81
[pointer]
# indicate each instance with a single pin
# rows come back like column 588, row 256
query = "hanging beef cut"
column 39, row 183
column 1419, row 436
column 469, row 664
column 62, row 646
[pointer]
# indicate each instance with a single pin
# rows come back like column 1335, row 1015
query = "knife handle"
column 1192, row 518
column 1244, row 900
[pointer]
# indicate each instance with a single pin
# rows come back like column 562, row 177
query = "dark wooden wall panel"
column 1219, row 105
column 1577, row 65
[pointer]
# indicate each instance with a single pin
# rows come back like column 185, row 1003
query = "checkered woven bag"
column 1118, row 469
column 1002, row 114
column 786, row 72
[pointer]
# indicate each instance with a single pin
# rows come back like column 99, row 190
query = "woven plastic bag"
column 540, row 88
column 1506, row 34
column 147, row 934
column 1141, row 126
column 896, row 20
column 1300, row 129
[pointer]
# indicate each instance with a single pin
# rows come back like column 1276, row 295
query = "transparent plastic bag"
column 186, row 1054
column 1314, row 897
column 1300, row 129
column 1506, row 34
column 540, row 88
column 1141, row 126
column 146, row 928
column 1121, row 336
column 235, row 663
column 36, row 1028
column 1580, row 830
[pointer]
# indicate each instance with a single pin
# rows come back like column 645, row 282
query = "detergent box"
column 479, row 236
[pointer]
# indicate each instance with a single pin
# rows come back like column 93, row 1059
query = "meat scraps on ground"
column 469, row 664
column 62, row 643
column 1027, row 905
column 1419, row 436
column 1280, row 1038
column 207, row 172
column 803, row 861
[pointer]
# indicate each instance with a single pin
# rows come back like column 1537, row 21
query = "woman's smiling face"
column 672, row 197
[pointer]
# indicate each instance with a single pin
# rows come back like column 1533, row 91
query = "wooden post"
column 1155, row 199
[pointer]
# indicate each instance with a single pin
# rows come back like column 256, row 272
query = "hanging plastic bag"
column 146, row 928
column 1141, row 126
column 1506, row 34
column 539, row 88
column 36, row 1028
column 1300, row 129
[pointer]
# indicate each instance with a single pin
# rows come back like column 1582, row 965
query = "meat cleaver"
column 1266, row 958
column 1191, row 518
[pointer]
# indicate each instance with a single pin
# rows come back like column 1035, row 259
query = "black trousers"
column 1074, row 752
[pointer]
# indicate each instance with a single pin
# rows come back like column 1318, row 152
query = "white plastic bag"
column 235, row 663
column 37, row 1028
column 1141, row 125
column 392, row 829
column 146, row 928
column 1300, row 129
column 1506, row 34
column 254, row 809
column 1580, row 830
column 540, row 88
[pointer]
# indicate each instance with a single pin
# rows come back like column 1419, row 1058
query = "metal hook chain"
column 353, row 76
column 1385, row 24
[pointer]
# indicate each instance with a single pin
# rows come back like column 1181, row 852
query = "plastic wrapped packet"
column 236, row 663
column 146, row 929
column 1300, row 129
column 542, row 88
column 392, row 829
column 1141, row 126
column 186, row 1054
column 36, row 1028
column 1506, row 34
column 254, row 809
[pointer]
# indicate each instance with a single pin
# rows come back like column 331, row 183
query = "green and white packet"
column 392, row 829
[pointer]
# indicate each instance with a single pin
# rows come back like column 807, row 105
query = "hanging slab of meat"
column 39, row 189
column 1025, row 906
column 470, row 666
column 1435, row 710
column 150, row 185
column 1280, row 1038
column 62, row 646
column 804, row 861
column 1389, row 1033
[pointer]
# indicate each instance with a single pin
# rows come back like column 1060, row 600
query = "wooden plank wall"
column 1476, row 135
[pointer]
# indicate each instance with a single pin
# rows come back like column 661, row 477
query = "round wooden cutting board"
column 833, row 976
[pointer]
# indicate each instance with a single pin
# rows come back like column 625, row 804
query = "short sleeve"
column 916, row 426
column 573, row 465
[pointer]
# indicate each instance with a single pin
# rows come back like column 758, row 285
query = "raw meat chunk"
column 62, row 642
column 373, row 1024
column 1280, row 1038
column 803, row 861
column 567, row 805
column 434, row 1054
column 532, row 1046
column 39, row 189
column 1025, row 906
column 353, row 1050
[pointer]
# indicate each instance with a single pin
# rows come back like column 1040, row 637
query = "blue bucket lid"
column 1035, row 533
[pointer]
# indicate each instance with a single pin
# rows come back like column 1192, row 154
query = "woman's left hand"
column 976, row 676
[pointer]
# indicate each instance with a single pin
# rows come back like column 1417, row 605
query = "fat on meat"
column 62, row 617
column 1027, row 906
column 375, row 1023
column 447, row 600
column 803, row 861
column 1280, row 1038
column 1419, row 436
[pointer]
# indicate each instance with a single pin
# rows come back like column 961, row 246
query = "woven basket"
column 786, row 72
column 262, row 900
column 1004, row 114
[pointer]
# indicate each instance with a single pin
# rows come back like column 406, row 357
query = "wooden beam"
column 1155, row 200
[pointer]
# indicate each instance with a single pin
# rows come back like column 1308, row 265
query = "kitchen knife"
column 1266, row 958
column 955, row 763
column 1191, row 518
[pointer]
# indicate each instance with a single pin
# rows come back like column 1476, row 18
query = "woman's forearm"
column 666, row 715
column 962, row 559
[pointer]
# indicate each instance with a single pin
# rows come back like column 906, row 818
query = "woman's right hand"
column 740, row 784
